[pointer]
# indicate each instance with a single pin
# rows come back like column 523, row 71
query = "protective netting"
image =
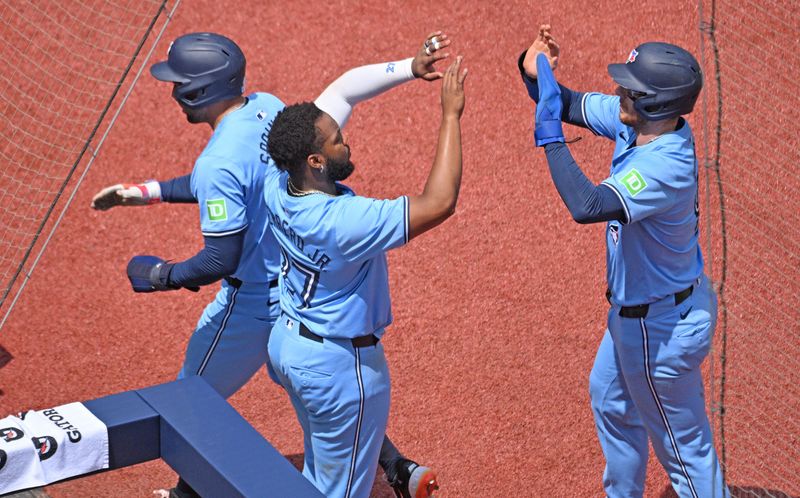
column 751, row 56
column 61, row 66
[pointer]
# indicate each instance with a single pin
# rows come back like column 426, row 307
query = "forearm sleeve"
column 177, row 190
column 218, row 259
column 587, row 202
column 359, row 84
column 571, row 110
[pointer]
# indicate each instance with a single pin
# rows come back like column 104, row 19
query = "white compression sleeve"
column 359, row 84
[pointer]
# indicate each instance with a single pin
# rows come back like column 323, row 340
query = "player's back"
column 334, row 276
column 228, row 182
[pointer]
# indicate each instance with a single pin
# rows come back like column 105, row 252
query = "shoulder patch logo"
column 634, row 182
column 217, row 211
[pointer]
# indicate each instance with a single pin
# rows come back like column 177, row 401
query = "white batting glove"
column 127, row 194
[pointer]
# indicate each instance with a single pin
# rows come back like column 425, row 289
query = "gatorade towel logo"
column 634, row 182
column 9, row 434
column 632, row 56
column 46, row 446
column 217, row 211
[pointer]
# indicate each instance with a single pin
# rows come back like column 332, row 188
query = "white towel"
column 19, row 462
column 46, row 446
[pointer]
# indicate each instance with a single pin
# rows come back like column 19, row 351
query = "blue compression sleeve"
column 219, row 258
column 570, row 99
column 587, row 202
column 177, row 190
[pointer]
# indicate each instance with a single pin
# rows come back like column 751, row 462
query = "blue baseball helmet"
column 667, row 77
column 206, row 68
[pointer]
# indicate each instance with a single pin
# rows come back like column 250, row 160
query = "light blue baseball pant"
column 341, row 396
column 646, row 381
column 229, row 344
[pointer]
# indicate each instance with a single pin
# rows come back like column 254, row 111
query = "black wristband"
column 159, row 277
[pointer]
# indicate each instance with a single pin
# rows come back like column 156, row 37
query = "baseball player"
column 646, row 379
column 326, row 348
column 228, row 346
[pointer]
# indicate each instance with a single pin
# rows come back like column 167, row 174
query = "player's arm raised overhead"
column 365, row 82
column 587, row 202
column 547, row 45
column 437, row 202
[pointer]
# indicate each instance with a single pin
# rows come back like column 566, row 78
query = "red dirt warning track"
column 497, row 313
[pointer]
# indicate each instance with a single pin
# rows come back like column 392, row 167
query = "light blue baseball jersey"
column 655, row 252
column 334, row 275
column 228, row 183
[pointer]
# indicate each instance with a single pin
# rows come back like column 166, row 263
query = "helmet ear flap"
column 194, row 95
column 648, row 108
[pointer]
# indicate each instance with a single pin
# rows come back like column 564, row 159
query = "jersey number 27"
column 303, row 273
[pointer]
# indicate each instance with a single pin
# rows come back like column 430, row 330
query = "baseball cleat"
column 413, row 480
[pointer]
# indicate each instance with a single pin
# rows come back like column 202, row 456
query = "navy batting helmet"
column 206, row 68
column 668, row 76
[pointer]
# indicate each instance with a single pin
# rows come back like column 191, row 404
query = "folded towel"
column 45, row 446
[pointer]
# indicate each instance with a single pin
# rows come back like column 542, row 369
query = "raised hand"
column 453, row 89
column 543, row 44
column 431, row 52
column 127, row 194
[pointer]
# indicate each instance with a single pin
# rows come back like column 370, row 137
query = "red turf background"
column 497, row 313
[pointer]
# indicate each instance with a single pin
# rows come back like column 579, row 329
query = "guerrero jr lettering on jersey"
column 307, row 275
column 318, row 258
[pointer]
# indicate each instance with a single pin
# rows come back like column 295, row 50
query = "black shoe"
column 412, row 480
column 181, row 490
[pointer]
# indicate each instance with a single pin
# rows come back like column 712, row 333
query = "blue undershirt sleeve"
column 587, row 202
column 218, row 259
column 570, row 99
column 177, row 190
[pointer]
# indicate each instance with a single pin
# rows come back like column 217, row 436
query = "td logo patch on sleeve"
column 217, row 211
column 634, row 182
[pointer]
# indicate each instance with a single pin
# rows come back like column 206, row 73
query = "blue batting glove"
column 144, row 272
column 548, row 110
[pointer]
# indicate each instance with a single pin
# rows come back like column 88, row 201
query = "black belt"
column 358, row 342
column 641, row 310
column 236, row 283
